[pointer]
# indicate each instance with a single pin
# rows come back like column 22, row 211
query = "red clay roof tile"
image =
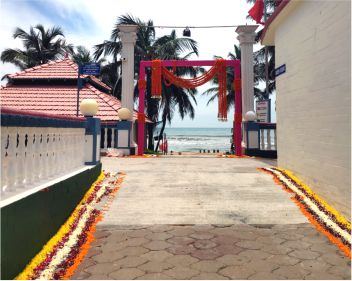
column 59, row 100
column 58, row 69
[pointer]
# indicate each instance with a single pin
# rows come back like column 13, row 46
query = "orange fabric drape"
column 141, row 117
column 219, row 68
column 142, row 84
column 156, row 79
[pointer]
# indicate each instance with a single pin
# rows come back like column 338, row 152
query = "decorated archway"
column 218, row 67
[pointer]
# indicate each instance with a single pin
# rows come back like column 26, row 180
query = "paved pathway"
column 206, row 218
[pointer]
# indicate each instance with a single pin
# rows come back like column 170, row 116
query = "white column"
column 262, row 142
column 112, row 138
column 128, row 38
column 246, row 37
column 268, row 136
column 105, row 138
column 30, row 164
column 45, row 153
column 37, row 161
column 21, row 159
column 4, row 159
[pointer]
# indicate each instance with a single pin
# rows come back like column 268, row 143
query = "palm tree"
column 39, row 46
column 82, row 55
column 259, row 56
column 258, row 78
column 148, row 47
column 270, row 6
column 175, row 99
column 214, row 91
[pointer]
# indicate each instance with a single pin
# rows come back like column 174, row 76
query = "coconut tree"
column 266, row 70
column 259, row 93
column 149, row 47
column 82, row 55
column 39, row 46
column 175, row 99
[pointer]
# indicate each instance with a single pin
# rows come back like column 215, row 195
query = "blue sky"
column 89, row 22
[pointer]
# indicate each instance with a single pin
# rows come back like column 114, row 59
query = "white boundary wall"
column 314, row 98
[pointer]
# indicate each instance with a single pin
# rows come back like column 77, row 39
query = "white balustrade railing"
column 33, row 155
column 268, row 139
column 105, row 138
column 108, row 133
column 112, row 137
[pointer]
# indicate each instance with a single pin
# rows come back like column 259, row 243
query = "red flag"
column 257, row 11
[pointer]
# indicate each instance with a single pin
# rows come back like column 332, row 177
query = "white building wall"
column 314, row 98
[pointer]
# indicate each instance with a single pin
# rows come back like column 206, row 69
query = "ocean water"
column 194, row 139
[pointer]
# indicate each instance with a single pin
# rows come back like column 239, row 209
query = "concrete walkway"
column 202, row 217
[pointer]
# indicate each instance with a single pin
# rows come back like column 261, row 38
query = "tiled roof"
column 59, row 100
column 58, row 69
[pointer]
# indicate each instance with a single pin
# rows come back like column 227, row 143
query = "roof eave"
column 281, row 12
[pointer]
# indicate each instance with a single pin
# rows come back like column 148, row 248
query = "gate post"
column 128, row 39
column 246, row 37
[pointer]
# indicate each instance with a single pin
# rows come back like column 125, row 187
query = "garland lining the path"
column 324, row 217
column 62, row 254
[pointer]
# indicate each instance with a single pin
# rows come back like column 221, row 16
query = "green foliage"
column 39, row 46
column 149, row 47
column 148, row 151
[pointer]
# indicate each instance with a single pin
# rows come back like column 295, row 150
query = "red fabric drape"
column 219, row 68
column 156, row 79
column 257, row 11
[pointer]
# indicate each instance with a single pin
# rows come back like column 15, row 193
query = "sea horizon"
column 194, row 139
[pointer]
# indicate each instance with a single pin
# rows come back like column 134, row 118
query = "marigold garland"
column 219, row 68
column 62, row 254
column 156, row 79
column 324, row 217
column 142, row 156
column 49, row 246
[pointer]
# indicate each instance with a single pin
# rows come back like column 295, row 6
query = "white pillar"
column 105, row 138
column 246, row 37
column 112, row 138
column 4, row 159
column 128, row 36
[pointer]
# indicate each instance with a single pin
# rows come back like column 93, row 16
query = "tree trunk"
column 150, row 136
column 161, row 133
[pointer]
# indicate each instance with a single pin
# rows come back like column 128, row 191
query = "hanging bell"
column 186, row 32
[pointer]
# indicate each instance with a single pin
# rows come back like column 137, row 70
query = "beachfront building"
column 52, row 89
column 312, row 42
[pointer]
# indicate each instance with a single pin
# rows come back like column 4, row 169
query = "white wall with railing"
column 36, row 150
column 268, row 139
column 260, row 139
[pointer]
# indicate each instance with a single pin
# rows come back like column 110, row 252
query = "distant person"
column 232, row 148
column 166, row 147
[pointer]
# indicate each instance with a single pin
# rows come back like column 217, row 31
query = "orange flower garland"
column 156, row 79
column 325, row 218
column 219, row 68
column 60, row 257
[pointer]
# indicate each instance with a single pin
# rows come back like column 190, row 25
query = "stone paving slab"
column 198, row 190
column 206, row 218
column 230, row 256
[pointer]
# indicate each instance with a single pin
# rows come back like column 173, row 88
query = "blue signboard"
column 280, row 70
column 90, row 69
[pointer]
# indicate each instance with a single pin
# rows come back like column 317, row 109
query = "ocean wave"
column 195, row 137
